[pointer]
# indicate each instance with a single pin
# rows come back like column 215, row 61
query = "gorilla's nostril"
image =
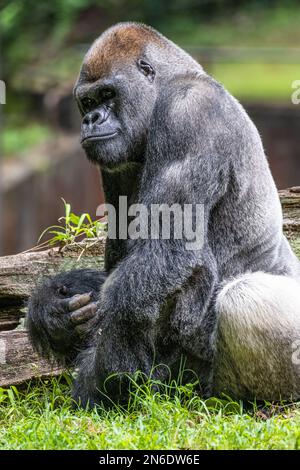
column 86, row 120
column 94, row 117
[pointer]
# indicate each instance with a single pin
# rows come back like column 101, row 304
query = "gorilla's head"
column 118, row 87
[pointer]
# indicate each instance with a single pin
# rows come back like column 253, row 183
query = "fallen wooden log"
column 17, row 360
column 19, row 274
column 290, row 201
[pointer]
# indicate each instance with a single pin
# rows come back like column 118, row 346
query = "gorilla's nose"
column 96, row 117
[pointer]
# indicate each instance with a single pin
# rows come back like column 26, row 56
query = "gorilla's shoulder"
column 192, row 85
column 191, row 99
column 190, row 91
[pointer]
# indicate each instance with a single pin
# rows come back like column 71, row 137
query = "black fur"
column 181, row 139
column 48, row 320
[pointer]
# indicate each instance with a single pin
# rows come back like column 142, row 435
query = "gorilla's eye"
column 107, row 94
column 88, row 104
column 146, row 69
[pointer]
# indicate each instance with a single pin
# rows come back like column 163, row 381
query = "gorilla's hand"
column 62, row 313
column 82, row 312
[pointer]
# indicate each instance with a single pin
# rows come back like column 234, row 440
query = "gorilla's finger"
column 84, row 328
column 78, row 301
column 84, row 314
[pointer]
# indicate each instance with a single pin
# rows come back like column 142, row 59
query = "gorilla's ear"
column 146, row 69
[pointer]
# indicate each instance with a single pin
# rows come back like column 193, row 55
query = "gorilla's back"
column 245, row 225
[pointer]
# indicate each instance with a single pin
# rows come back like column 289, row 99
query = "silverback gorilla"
column 163, row 132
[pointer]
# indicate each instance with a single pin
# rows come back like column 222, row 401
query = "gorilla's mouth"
column 87, row 141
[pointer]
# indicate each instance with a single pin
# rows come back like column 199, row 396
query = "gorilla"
column 164, row 132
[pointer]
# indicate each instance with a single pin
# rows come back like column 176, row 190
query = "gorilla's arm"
column 138, row 286
column 186, row 168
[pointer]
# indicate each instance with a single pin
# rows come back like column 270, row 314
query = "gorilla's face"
column 116, row 110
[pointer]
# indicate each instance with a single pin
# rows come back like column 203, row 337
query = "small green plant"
column 72, row 229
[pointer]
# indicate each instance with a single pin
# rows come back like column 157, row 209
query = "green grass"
column 253, row 78
column 41, row 417
column 261, row 81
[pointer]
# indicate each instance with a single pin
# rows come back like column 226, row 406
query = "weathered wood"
column 10, row 317
column 19, row 274
column 17, row 360
column 290, row 200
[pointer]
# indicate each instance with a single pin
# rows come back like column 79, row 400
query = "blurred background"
column 253, row 47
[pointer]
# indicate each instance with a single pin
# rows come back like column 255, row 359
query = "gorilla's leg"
column 119, row 348
column 126, row 345
column 62, row 313
column 257, row 337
